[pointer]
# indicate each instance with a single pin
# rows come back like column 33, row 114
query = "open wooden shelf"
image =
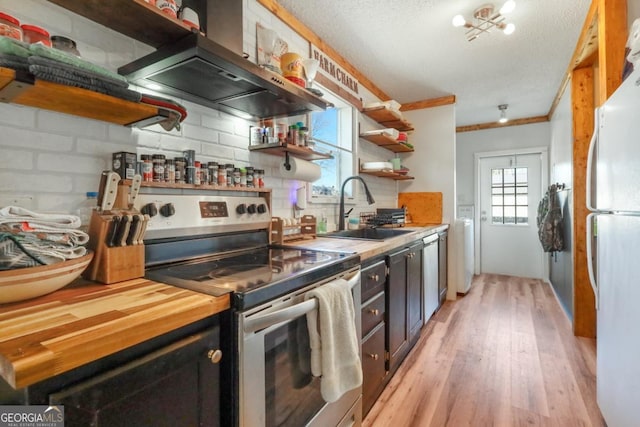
column 386, row 141
column 387, row 174
column 278, row 149
column 198, row 187
column 21, row 88
column 388, row 118
column 134, row 18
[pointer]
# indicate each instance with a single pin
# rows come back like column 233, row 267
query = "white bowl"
column 25, row 283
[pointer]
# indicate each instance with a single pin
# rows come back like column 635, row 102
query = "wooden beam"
column 429, row 103
column 612, row 37
column 494, row 125
column 285, row 16
column 586, row 48
column 582, row 104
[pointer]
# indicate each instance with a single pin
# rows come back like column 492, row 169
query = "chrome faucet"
column 370, row 199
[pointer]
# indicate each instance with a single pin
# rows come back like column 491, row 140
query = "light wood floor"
column 503, row 355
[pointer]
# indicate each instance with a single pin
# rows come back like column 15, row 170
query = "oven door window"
column 292, row 394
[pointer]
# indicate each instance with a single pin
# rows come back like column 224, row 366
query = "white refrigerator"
column 614, row 226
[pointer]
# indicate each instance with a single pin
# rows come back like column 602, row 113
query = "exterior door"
column 510, row 190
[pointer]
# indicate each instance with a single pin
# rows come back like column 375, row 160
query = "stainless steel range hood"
column 200, row 70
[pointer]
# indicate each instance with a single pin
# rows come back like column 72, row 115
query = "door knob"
column 373, row 356
column 214, row 355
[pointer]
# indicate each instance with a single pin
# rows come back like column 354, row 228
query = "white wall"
column 433, row 163
column 50, row 160
column 507, row 138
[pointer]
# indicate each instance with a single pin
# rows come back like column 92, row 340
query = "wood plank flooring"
column 503, row 355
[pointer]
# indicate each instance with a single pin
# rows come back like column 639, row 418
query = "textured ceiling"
column 410, row 50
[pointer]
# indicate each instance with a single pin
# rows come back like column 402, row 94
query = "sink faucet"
column 370, row 199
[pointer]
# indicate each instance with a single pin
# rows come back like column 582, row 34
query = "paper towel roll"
column 300, row 170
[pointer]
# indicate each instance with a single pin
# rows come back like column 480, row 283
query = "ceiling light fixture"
column 503, row 113
column 485, row 19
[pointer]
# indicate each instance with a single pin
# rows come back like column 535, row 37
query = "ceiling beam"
column 494, row 125
column 285, row 16
column 584, row 53
column 429, row 103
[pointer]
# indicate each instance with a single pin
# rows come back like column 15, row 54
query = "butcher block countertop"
column 83, row 322
column 370, row 248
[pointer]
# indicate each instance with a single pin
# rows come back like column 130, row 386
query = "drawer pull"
column 214, row 355
column 373, row 356
column 373, row 311
column 374, row 277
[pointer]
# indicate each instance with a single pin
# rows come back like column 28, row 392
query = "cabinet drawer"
column 373, row 367
column 372, row 314
column 373, row 279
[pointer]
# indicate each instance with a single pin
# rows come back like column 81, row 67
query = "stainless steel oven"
column 277, row 388
column 219, row 244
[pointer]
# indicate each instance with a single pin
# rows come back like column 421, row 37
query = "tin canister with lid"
column 34, row 34
column 291, row 64
column 10, row 27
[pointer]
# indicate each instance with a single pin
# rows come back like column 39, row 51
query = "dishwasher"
column 430, row 275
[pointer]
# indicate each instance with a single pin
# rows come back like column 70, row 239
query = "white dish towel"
column 333, row 339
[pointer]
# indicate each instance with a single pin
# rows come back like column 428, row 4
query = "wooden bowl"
column 25, row 283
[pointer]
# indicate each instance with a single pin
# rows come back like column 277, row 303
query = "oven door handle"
column 264, row 321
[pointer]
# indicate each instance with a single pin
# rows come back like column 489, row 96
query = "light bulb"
column 503, row 113
column 507, row 7
column 458, row 21
column 509, row 29
column 503, row 120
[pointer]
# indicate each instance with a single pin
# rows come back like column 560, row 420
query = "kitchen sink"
column 367, row 233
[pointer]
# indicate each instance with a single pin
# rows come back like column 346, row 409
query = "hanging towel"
column 333, row 339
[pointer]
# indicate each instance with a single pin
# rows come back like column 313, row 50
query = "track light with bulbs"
column 485, row 18
column 503, row 113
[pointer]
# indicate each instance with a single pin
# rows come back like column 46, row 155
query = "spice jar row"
column 296, row 134
column 186, row 169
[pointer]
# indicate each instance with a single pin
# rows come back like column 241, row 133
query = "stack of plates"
column 376, row 166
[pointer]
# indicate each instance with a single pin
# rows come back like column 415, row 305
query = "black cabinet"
column 178, row 385
column 404, row 302
column 374, row 278
column 173, row 380
column 414, row 292
column 442, row 266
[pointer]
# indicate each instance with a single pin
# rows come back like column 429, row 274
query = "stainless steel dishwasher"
column 430, row 275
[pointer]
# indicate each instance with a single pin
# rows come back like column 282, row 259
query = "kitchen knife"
column 113, row 231
column 123, row 233
column 133, row 230
column 135, row 188
column 103, row 183
column 143, row 229
column 110, row 191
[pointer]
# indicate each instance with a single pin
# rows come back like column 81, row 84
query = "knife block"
column 111, row 264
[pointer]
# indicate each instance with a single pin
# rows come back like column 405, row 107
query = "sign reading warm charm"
column 329, row 68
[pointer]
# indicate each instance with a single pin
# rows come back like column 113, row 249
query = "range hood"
column 202, row 71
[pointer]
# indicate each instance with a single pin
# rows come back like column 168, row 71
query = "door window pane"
column 510, row 199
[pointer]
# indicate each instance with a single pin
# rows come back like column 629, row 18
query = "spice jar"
column 170, row 171
column 204, row 174
column 258, row 177
column 213, row 172
column 196, row 173
column 250, row 173
column 33, row 34
column 230, row 168
column 10, row 27
column 236, row 177
column 147, row 167
column 158, row 167
column 293, row 135
column 181, row 164
column 222, row 174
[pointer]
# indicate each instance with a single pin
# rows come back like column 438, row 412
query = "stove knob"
column 251, row 208
column 167, row 210
column 241, row 209
column 262, row 208
column 149, row 209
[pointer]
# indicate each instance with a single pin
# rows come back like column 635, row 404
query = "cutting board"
column 422, row 207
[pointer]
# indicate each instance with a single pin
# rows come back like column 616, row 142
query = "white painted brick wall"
column 49, row 160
